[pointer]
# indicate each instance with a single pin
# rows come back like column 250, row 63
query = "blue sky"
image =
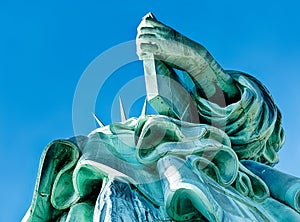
column 46, row 46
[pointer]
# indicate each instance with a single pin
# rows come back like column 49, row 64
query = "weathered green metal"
column 208, row 155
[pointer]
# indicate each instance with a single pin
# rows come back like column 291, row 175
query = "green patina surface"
column 208, row 154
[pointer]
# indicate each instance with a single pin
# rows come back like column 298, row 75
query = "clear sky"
column 45, row 46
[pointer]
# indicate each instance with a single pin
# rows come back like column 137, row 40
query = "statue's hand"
column 165, row 43
column 154, row 39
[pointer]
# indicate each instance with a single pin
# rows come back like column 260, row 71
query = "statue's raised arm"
column 231, row 100
column 178, row 51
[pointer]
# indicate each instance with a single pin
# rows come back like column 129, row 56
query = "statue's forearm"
column 178, row 51
column 205, row 71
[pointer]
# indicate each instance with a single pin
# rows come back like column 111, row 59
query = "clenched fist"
column 161, row 42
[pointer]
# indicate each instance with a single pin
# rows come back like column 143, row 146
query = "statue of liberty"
column 207, row 155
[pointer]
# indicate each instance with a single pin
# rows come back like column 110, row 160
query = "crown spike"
column 122, row 111
column 144, row 108
column 98, row 120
